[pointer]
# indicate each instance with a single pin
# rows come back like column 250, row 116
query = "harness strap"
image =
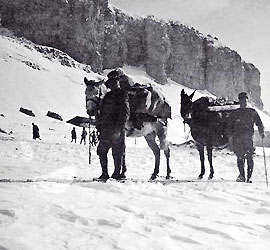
column 186, row 135
column 93, row 100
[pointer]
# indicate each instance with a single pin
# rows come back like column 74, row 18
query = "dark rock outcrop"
column 54, row 115
column 92, row 33
column 27, row 111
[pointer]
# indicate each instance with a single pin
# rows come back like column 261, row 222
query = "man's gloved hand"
column 98, row 135
column 117, row 133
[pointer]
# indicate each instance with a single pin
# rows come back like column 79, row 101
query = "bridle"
column 96, row 99
column 187, row 120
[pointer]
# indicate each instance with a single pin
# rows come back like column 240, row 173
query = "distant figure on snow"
column 93, row 138
column 83, row 136
column 242, row 131
column 73, row 135
column 35, row 132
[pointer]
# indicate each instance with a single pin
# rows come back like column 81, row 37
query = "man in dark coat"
column 242, row 130
column 35, row 132
column 83, row 136
column 114, row 113
column 73, row 135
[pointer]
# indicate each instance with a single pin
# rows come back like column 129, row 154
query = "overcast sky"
column 243, row 25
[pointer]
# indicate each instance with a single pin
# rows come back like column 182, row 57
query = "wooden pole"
column 265, row 168
column 89, row 142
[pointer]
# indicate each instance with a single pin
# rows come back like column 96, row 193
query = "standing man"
column 83, row 136
column 73, row 135
column 114, row 113
column 241, row 129
column 35, row 132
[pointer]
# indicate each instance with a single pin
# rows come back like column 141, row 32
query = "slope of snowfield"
column 55, row 211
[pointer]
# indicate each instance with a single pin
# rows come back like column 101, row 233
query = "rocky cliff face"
column 73, row 26
column 186, row 63
column 93, row 34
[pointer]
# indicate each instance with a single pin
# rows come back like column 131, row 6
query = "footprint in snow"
column 103, row 222
column 210, row 231
column 184, row 239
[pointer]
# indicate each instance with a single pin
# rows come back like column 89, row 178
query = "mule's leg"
column 124, row 167
column 150, row 139
column 164, row 145
column 200, row 148
column 167, row 155
column 209, row 155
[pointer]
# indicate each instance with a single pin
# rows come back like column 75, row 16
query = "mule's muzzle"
column 91, row 111
column 187, row 119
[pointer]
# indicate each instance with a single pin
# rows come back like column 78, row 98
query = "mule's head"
column 95, row 91
column 186, row 105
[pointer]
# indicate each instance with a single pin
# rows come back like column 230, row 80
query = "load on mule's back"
column 148, row 107
column 143, row 99
column 209, row 122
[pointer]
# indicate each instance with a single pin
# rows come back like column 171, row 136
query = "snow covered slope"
column 53, row 210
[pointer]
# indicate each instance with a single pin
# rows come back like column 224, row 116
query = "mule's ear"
column 191, row 96
column 101, row 80
column 86, row 81
column 182, row 92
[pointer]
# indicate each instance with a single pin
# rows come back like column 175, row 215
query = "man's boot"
column 117, row 167
column 250, row 164
column 104, row 167
column 123, row 167
column 240, row 164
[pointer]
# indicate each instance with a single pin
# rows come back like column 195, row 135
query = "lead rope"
column 90, row 139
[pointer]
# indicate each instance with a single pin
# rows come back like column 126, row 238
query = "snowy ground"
column 63, row 213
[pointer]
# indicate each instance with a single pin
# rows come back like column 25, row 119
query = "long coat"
column 35, row 131
column 114, row 113
column 241, row 128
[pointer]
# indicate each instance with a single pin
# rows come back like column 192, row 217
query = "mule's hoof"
column 123, row 176
column 153, row 177
column 210, row 177
column 200, row 177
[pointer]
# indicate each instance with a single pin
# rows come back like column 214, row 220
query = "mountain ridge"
column 92, row 33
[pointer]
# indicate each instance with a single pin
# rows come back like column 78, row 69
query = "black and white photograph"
column 134, row 124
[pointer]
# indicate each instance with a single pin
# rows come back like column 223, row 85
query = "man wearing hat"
column 114, row 113
column 241, row 129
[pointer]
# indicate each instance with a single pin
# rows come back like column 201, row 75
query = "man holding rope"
column 241, row 130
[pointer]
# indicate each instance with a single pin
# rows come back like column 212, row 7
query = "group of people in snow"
column 36, row 134
column 115, row 112
column 74, row 136
column 93, row 136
